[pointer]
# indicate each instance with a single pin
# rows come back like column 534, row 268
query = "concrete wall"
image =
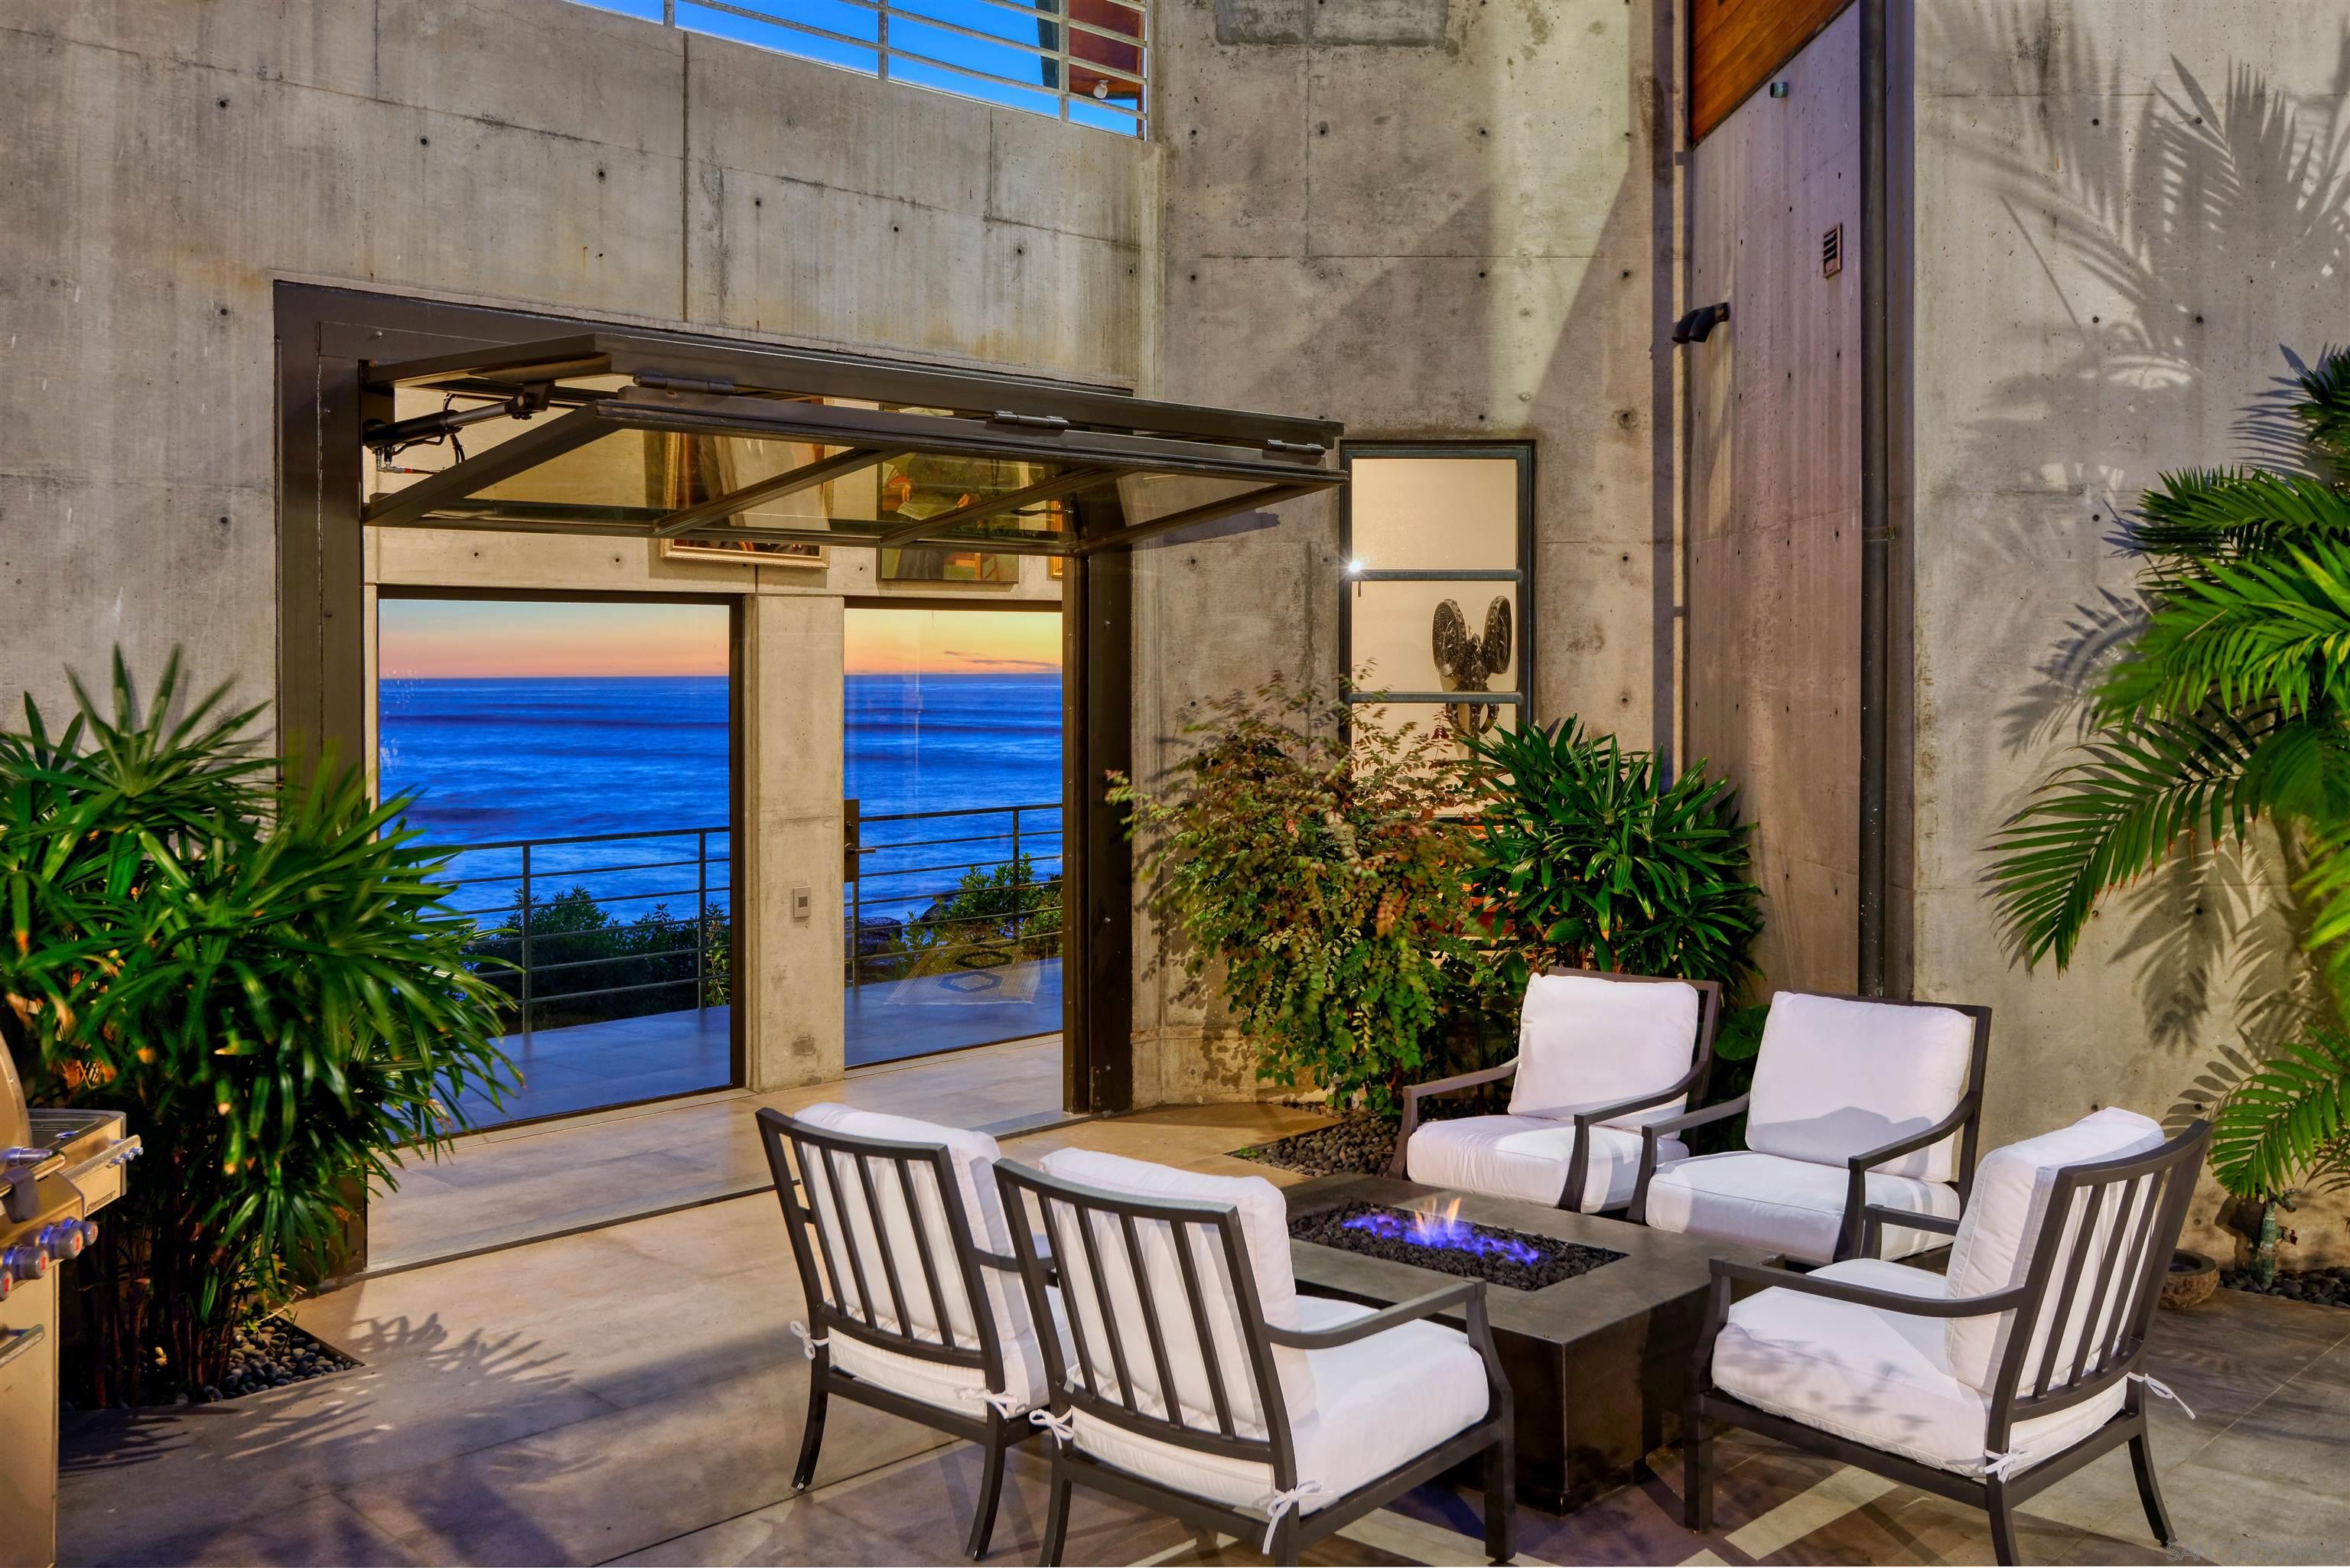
column 167, row 163
column 1774, row 498
column 1428, row 219
column 2131, row 214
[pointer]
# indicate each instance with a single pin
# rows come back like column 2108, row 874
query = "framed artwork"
column 684, row 471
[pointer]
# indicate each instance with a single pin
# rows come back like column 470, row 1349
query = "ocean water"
column 494, row 761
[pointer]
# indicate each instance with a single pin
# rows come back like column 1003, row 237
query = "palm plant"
column 256, row 966
column 2229, row 708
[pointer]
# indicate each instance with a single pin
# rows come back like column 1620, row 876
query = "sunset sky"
column 425, row 639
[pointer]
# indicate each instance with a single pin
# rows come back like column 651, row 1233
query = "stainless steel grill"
column 56, row 1168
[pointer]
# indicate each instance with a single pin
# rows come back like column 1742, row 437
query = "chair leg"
column 1285, row 1547
column 1056, row 1519
column 2002, row 1525
column 812, row 1437
column 1696, row 1472
column 991, row 1460
column 1501, row 1506
column 2149, row 1492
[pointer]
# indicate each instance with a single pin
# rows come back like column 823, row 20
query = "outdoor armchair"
column 904, row 1262
column 1855, row 1101
column 1985, row 1386
column 1598, row 1055
column 1189, row 1376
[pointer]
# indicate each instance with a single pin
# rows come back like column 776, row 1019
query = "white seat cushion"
column 972, row 1155
column 1790, row 1207
column 1878, row 1376
column 1265, row 1231
column 1836, row 1078
column 1992, row 1251
column 1385, row 1401
column 1585, row 1042
column 1526, row 1158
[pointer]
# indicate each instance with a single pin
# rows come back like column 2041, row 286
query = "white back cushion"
column 1837, row 1078
column 1994, row 1246
column 1584, row 1042
column 848, row 1227
column 1264, row 1229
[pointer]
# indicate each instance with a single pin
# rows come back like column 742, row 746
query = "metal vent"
column 1832, row 251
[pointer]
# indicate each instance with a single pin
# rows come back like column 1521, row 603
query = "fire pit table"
column 1595, row 1318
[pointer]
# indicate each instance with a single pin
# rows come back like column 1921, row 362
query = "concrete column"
column 788, row 970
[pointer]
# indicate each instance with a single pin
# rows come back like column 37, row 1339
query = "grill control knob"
column 65, row 1238
column 26, row 1260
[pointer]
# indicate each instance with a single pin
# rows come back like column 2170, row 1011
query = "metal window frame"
column 1090, row 438
column 1522, row 453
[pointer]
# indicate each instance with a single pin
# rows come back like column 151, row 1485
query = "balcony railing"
column 609, row 925
column 935, row 890
column 553, row 918
column 1076, row 60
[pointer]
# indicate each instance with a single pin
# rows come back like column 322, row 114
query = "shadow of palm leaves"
column 2133, row 190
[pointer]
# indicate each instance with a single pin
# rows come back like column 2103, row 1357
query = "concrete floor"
column 512, row 1184
column 659, row 1056
column 632, row 1393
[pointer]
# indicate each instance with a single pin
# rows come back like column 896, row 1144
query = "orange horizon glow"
column 951, row 642
column 473, row 639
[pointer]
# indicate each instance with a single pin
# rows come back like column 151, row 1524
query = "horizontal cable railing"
column 968, row 888
column 553, row 898
column 1077, row 60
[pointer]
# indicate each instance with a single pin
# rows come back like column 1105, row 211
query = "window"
column 1437, row 542
column 1079, row 60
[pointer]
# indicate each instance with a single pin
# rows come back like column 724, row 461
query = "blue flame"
column 1448, row 1231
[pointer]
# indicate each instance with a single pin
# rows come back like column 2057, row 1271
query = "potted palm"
column 2226, row 710
column 255, row 965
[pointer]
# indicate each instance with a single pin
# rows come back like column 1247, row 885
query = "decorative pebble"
column 275, row 1354
column 2325, row 1287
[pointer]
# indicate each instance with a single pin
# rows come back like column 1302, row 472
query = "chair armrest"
column 1379, row 1322
column 1651, row 1131
column 1413, row 1093
column 1989, row 1305
column 1850, row 1237
column 1578, row 1164
column 1875, row 1217
column 1010, row 1265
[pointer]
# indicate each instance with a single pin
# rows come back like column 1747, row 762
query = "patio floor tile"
column 632, row 1392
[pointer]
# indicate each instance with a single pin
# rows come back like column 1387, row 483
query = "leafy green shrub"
column 1003, row 908
column 2230, row 706
column 1328, row 875
column 1590, row 858
column 261, row 973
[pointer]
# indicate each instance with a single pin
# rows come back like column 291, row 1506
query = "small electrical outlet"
column 802, row 903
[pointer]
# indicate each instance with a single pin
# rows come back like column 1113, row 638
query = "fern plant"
column 2229, row 708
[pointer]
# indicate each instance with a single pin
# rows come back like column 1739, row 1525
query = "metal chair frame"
column 2133, row 1276
column 814, row 1149
column 1578, row 1168
column 1965, row 1119
column 1068, row 1212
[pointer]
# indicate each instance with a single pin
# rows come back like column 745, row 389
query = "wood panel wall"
column 1773, row 702
column 1736, row 46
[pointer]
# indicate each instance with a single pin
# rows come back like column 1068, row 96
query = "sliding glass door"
column 575, row 757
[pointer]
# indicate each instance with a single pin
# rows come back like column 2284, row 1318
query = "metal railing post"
column 525, row 944
column 1018, row 881
column 702, row 919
